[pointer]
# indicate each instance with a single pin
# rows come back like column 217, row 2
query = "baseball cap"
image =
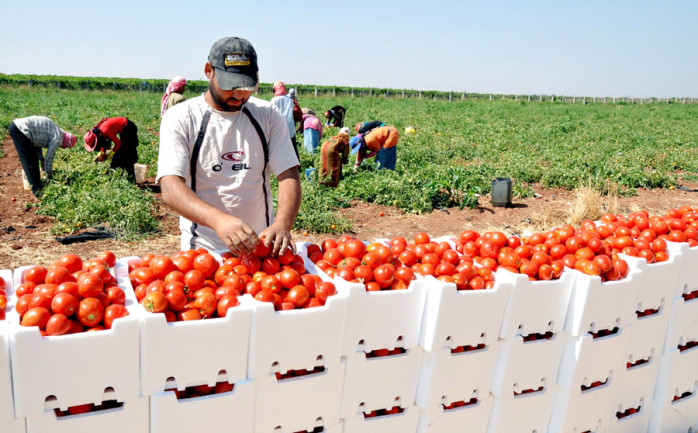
column 235, row 61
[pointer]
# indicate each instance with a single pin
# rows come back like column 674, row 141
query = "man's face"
column 226, row 100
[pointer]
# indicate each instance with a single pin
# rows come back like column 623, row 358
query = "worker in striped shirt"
column 32, row 134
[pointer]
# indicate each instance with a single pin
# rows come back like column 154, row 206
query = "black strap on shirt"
column 265, row 149
column 192, row 168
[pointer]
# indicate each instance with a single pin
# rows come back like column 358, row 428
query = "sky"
column 564, row 47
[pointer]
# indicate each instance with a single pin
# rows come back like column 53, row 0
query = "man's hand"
column 278, row 238
column 237, row 235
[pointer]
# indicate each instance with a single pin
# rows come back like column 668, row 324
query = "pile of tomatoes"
column 71, row 296
column 393, row 266
column 193, row 285
column 3, row 298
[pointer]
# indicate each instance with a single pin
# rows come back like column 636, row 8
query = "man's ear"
column 208, row 70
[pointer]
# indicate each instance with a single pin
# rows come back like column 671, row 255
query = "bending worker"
column 380, row 142
column 124, row 134
column 30, row 135
column 333, row 155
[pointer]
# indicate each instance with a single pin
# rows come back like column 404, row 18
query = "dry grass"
column 590, row 204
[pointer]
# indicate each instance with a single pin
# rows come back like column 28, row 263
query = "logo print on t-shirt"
column 234, row 156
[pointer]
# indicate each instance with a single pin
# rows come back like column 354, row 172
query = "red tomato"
column 58, row 275
column 90, row 312
column 225, row 303
column 58, row 324
column 72, row 262
column 206, row 304
column 324, row 290
column 176, row 300
column 206, row 264
column 298, row 294
column 37, row 316
column 64, row 303
column 36, row 274
column 384, row 275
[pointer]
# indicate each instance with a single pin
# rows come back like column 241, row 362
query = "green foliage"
column 458, row 149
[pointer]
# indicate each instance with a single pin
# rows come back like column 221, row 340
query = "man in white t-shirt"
column 217, row 152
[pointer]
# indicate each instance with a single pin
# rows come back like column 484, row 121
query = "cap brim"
column 234, row 80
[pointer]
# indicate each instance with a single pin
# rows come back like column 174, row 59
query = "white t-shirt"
column 284, row 104
column 230, row 163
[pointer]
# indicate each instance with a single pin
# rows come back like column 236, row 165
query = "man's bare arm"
column 278, row 235
column 237, row 235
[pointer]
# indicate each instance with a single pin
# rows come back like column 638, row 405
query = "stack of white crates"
column 460, row 337
column 656, row 285
column 378, row 322
column 180, row 355
column 9, row 423
column 533, row 340
column 675, row 405
column 51, row 374
column 595, row 354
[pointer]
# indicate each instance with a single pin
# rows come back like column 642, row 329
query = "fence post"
column 462, row 96
column 552, row 98
column 58, row 84
column 352, row 92
column 334, row 93
column 316, row 92
column 449, row 97
column 403, row 94
column 529, row 98
column 490, row 96
column 30, row 82
column 420, row 95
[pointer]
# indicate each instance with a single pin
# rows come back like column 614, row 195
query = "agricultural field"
column 457, row 149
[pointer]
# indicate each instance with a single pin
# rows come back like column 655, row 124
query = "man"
column 335, row 116
column 30, row 135
column 285, row 104
column 213, row 166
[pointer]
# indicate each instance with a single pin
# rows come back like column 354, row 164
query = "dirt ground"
column 25, row 237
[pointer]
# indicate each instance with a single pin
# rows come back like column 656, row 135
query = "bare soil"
column 26, row 239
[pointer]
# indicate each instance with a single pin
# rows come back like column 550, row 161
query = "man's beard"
column 223, row 102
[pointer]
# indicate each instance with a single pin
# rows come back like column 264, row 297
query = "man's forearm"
column 289, row 199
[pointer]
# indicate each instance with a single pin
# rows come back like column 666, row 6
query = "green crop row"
column 457, row 149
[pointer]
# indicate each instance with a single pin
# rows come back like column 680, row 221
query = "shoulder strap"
column 192, row 169
column 197, row 147
column 265, row 149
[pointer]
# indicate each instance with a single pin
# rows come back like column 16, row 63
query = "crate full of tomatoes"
column 187, row 311
column 385, row 300
column 298, row 318
column 75, row 315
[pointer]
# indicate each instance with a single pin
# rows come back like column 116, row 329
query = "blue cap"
column 355, row 143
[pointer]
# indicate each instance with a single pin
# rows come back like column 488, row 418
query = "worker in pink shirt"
column 312, row 130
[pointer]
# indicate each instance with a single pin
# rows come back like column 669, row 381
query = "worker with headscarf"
column 335, row 116
column 312, row 130
column 123, row 133
column 333, row 155
column 30, row 135
column 174, row 94
column 381, row 142
column 284, row 104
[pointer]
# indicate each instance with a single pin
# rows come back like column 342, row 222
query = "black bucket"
column 501, row 192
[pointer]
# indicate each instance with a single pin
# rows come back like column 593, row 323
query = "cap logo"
column 237, row 59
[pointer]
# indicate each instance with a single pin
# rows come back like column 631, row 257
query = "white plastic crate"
column 624, row 422
column 105, row 363
column 525, row 365
column 384, row 319
column 575, row 411
column 230, row 412
column 380, row 382
column 13, row 426
column 296, row 339
column 405, row 422
column 688, row 275
column 535, row 307
column 646, row 339
column 194, row 352
column 471, row 418
column 300, row 403
column 595, row 305
column 132, row 417
column 448, row 377
column 658, row 281
column 678, row 374
column 586, row 360
column 683, row 323
column 676, row 417
column 522, row 413
column 7, row 410
column 461, row 317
